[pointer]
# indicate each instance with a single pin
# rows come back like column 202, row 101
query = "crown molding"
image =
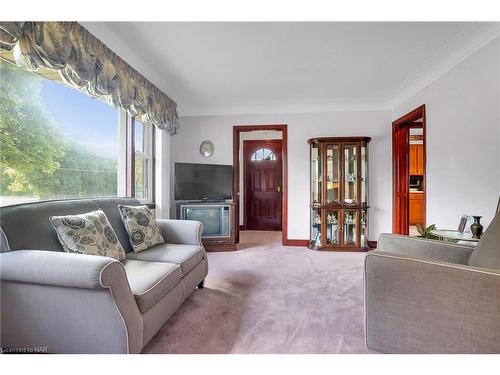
column 460, row 48
column 282, row 107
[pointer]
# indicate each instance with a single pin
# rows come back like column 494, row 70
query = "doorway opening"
column 409, row 171
column 259, row 183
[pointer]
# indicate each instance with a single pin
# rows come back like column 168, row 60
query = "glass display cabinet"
column 339, row 193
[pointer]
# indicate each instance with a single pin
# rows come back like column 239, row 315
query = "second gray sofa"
column 426, row 296
column 73, row 303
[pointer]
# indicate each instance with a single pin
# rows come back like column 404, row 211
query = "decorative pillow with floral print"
column 89, row 233
column 142, row 229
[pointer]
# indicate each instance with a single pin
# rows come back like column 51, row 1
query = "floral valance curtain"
column 84, row 62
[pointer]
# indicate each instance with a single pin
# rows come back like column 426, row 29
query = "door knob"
column 279, row 189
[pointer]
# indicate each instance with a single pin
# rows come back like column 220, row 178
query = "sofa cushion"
column 27, row 226
column 149, row 281
column 89, row 233
column 4, row 242
column 110, row 208
column 187, row 256
column 41, row 235
column 141, row 226
column 487, row 252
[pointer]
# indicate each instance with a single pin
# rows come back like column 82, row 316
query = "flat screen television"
column 203, row 181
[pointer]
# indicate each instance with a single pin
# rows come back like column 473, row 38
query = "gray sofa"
column 426, row 296
column 73, row 303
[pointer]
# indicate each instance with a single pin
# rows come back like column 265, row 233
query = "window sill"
column 151, row 205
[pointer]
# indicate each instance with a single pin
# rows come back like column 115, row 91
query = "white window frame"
column 122, row 153
column 126, row 167
column 146, row 155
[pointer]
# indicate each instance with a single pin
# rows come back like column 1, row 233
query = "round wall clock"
column 207, row 148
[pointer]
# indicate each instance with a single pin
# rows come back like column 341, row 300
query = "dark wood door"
column 263, row 184
column 401, row 168
column 400, row 162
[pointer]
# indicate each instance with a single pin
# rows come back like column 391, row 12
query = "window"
column 57, row 142
column 143, row 161
column 263, row 154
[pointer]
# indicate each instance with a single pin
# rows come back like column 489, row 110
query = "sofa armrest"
column 73, row 289
column 57, row 268
column 187, row 232
column 425, row 249
column 423, row 306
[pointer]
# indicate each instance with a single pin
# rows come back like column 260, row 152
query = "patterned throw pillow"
column 89, row 233
column 142, row 229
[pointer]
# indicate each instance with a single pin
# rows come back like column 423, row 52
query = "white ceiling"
column 230, row 68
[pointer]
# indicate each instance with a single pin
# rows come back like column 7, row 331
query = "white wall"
column 463, row 138
column 301, row 127
column 253, row 135
column 162, row 174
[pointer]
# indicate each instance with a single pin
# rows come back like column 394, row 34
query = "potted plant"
column 426, row 232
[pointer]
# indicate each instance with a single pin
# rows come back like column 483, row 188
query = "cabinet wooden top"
column 339, row 139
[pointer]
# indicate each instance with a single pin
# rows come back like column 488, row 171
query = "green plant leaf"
column 426, row 232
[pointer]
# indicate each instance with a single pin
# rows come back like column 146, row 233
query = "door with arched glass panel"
column 262, row 184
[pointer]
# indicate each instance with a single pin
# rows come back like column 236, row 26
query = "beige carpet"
column 266, row 298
